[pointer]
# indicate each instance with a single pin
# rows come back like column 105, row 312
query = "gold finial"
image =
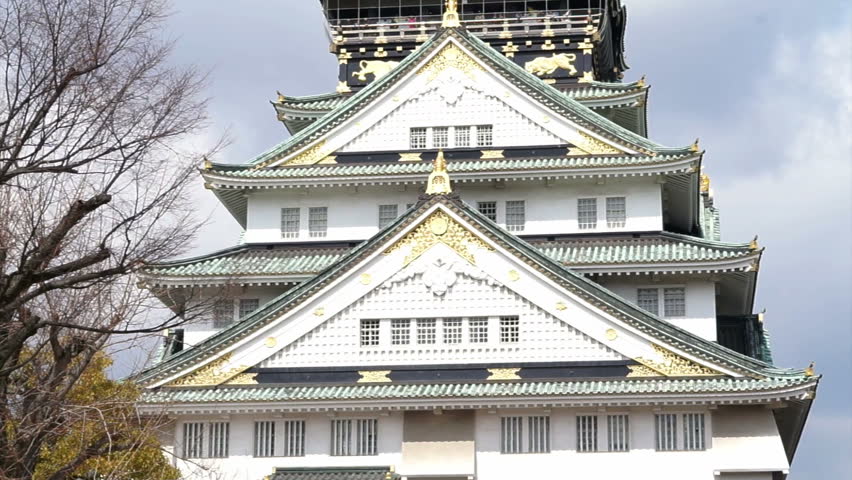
column 206, row 164
column 694, row 147
column 451, row 15
column 439, row 180
column 752, row 245
column 705, row 183
column 641, row 82
column 342, row 87
column 281, row 98
column 809, row 372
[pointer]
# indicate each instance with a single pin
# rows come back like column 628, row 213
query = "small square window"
column 452, row 330
column 587, row 213
column 648, row 299
column 440, row 137
column 318, row 221
column 510, row 329
column 616, row 212
column 462, row 137
column 248, row 305
column 478, row 330
column 484, row 135
column 289, row 222
column 674, row 302
column 400, row 331
column 489, row 209
column 426, row 331
column 418, row 138
column 516, row 216
column 387, row 214
column 370, row 332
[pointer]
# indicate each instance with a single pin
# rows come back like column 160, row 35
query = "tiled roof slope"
column 650, row 325
column 263, row 260
column 334, row 473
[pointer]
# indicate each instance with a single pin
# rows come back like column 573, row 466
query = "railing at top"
column 368, row 29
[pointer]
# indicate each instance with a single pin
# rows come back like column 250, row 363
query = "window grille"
column 616, row 212
column 387, row 214
column 618, row 433
column 462, row 135
column 587, row 213
column 515, row 215
column 674, row 302
column 509, row 329
column 193, row 440
column 294, row 438
column 417, row 139
column 539, row 434
column 511, row 434
column 693, row 431
column 318, row 221
column 370, row 332
column 264, row 439
column 218, row 446
column 341, row 437
column 484, row 135
column 587, row 433
column 648, row 299
column 426, row 331
column 440, row 137
column 478, row 330
column 666, row 432
column 248, row 305
column 289, row 222
column 365, row 437
column 223, row 313
column 400, row 332
column 489, row 209
column 452, row 330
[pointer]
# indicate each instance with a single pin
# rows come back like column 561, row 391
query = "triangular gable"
column 660, row 349
column 450, row 53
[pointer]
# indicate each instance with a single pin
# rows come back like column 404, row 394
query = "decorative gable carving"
column 438, row 276
column 439, row 228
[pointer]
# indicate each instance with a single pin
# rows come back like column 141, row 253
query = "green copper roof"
column 454, row 166
column 263, row 260
column 366, row 392
column 650, row 325
column 334, row 473
column 524, row 80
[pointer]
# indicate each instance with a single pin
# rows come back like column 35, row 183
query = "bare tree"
column 93, row 184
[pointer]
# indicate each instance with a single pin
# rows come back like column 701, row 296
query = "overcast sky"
column 765, row 84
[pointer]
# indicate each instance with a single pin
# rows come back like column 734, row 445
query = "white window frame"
column 444, row 134
column 426, row 331
column 263, row 439
column 354, row 437
column 317, row 217
column 400, row 332
column 684, row 441
column 209, row 439
column 223, row 313
column 417, row 138
column 605, row 432
column 192, row 439
column 370, row 332
column 219, row 435
column 587, row 433
column 290, row 222
column 516, row 438
column 247, row 306
column 584, row 222
column 663, row 310
column 461, row 136
column 485, row 208
column 293, row 437
column 616, row 219
column 516, row 215
column 478, row 336
column 510, row 329
column 387, row 214
column 454, row 336
column 485, row 135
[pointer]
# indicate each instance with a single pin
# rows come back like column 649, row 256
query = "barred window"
column 674, row 302
column 417, row 139
column 223, row 313
column 515, row 215
column 318, row 221
column 587, row 433
column 462, row 135
column 387, row 214
column 440, row 137
column 248, row 305
column 289, row 222
column 294, row 438
column 370, row 332
column 400, row 332
column 218, row 440
column 452, row 330
column 264, row 439
column 509, row 329
column 648, row 299
column 489, row 209
column 587, row 213
column 616, row 212
column 193, row 440
column 484, row 135
column 365, row 437
column 618, row 433
column 665, row 429
column 536, row 440
column 426, row 331
column 478, row 330
column 693, row 431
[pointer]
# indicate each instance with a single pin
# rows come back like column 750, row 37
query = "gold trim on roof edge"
column 673, row 365
column 592, row 145
column 439, row 228
column 450, row 56
column 214, row 373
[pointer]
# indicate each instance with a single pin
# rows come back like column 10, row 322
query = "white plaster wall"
column 242, row 465
column 353, row 213
column 198, row 329
column 737, row 438
column 542, row 337
column 700, row 316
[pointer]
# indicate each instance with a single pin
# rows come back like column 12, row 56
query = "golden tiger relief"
column 547, row 65
column 377, row 68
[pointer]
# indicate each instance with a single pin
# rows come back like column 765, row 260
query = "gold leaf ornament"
column 439, row 228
